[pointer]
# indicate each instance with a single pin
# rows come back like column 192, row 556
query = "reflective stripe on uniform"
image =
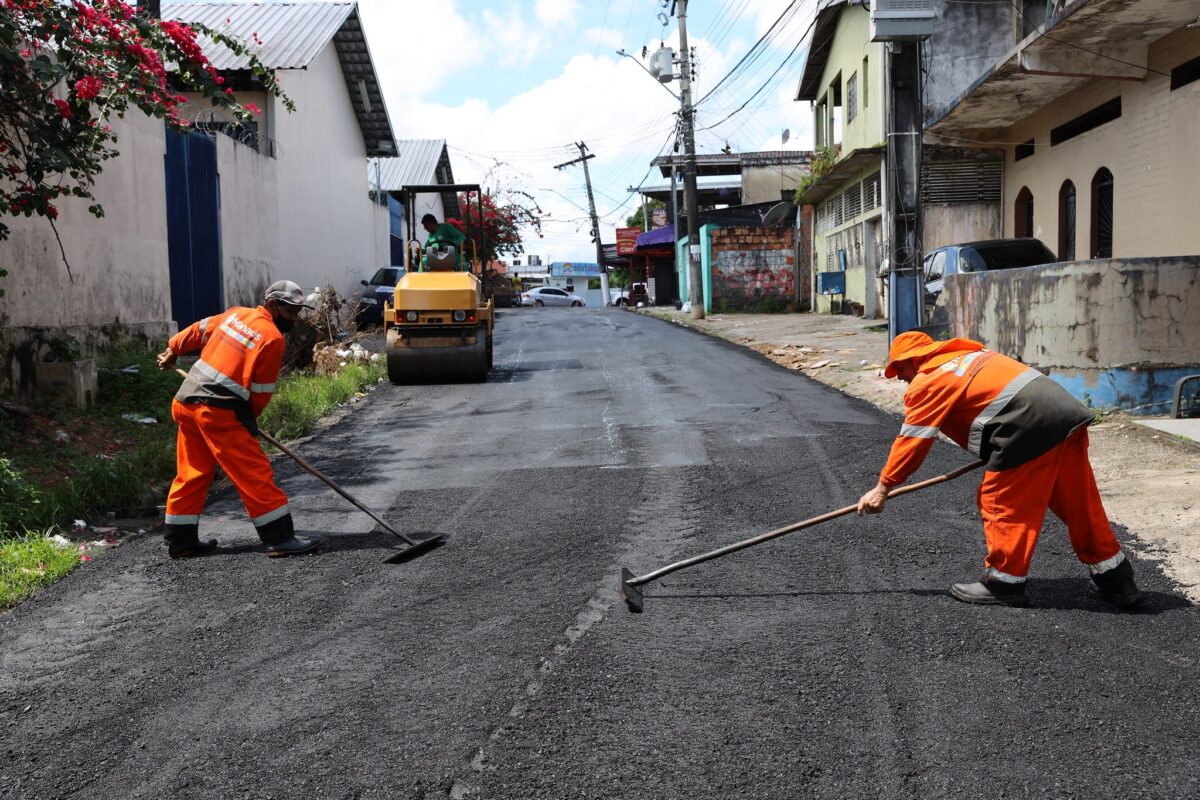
column 1106, row 564
column 182, row 519
column 1002, row 398
column 204, row 335
column 264, row 388
column 919, row 431
column 966, row 362
column 994, row 574
column 210, row 372
column 249, row 345
column 271, row 516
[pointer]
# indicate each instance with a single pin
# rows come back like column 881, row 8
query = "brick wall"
column 753, row 266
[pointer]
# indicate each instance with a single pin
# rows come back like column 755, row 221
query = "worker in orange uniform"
column 1031, row 436
column 228, row 387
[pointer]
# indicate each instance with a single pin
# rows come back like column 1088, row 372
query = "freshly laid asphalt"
column 827, row 664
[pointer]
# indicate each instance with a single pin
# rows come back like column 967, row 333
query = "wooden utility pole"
column 690, row 201
column 584, row 157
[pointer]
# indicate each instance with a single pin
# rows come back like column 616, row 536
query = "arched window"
column 1023, row 214
column 1066, row 222
column 1102, row 214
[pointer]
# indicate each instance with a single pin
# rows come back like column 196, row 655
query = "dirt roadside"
column 1150, row 481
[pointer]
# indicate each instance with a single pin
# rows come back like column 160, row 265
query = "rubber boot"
column 1116, row 586
column 183, row 541
column 281, row 540
column 990, row 593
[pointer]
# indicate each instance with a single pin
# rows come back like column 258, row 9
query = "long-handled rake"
column 414, row 546
column 631, row 585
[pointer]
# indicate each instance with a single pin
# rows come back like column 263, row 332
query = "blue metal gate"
column 193, row 227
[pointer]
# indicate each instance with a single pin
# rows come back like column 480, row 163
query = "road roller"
column 438, row 325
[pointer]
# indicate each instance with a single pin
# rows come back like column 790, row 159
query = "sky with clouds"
column 513, row 84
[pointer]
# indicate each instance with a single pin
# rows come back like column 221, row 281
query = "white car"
column 550, row 296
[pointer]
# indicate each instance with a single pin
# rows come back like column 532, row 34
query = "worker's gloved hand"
column 873, row 501
column 166, row 359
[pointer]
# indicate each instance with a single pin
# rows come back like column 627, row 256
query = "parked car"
column 376, row 291
column 977, row 257
column 631, row 297
column 550, row 296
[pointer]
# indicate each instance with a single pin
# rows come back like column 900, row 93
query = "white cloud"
column 610, row 38
column 511, row 39
column 557, row 13
column 404, row 49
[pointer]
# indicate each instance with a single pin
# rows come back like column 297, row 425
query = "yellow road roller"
column 438, row 326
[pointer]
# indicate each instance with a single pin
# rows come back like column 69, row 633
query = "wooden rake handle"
column 764, row 537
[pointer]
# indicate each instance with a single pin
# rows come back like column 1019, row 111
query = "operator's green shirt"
column 445, row 233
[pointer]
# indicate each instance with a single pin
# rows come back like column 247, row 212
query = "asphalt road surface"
column 827, row 664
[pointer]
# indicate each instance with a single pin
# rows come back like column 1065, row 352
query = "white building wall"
column 249, row 222
column 330, row 232
column 119, row 263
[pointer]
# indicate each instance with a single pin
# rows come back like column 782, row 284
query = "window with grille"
column 871, row 193
column 838, row 217
column 851, row 97
column 852, row 202
column 962, row 181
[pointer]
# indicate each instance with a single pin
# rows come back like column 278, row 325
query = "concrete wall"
column 954, row 223
column 329, row 229
column 1119, row 331
column 249, row 221
column 768, row 184
column 1150, row 150
column 751, row 266
column 968, row 38
column 119, row 263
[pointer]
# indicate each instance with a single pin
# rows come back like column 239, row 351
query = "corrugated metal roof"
column 421, row 162
column 415, row 164
column 292, row 34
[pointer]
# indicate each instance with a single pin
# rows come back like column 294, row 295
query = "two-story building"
column 845, row 78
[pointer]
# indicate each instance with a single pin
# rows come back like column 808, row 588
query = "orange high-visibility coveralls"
column 1031, row 436
column 241, row 351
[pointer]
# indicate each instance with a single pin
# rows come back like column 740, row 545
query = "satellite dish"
column 779, row 214
column 787, row 134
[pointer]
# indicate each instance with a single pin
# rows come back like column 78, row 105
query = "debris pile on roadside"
column 808, row 359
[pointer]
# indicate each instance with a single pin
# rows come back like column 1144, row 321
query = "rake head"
column 409, row 552
column 632, row 595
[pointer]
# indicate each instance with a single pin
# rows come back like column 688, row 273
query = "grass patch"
column 301, row 400
column 31, row 562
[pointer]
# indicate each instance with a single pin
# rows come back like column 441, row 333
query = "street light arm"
column 651, row 74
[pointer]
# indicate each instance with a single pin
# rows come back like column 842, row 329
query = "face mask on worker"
column 282, row 323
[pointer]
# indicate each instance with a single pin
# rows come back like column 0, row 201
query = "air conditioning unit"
column 902, row 20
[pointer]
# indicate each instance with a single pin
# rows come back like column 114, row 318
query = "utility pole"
column 906, row 296
column 691, row 205
column 584, row 157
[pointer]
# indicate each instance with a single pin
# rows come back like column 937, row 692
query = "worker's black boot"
column 183, row 541
column 281, row 540
column 990, row 593
column 1116, row 586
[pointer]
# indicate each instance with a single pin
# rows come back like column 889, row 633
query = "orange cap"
column 915, row 344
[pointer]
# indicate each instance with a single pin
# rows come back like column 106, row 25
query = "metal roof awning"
column 657, row 238
column 717, row 164
column 418, row 161
column 707, row 194
column 832, row 181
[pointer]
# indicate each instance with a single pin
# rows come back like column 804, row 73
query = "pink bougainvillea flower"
column 253, row 109
column 64, row 108
column 85, row 559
